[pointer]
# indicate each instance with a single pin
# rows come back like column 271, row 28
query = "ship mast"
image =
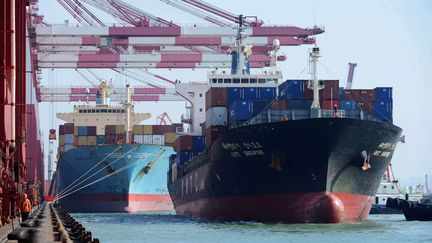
column 315, row 84
column 128, row 111
column 240, row 52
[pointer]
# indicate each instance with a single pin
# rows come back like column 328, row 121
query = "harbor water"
column 171, row 228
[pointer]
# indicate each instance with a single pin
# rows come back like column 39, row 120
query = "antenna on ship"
column 314, row 83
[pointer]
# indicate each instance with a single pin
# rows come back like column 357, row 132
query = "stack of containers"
column 68, row 132
column 91, row 135
column 114, row 134
column 61, row 139
column 245, row 103
column 216, row 113
column 383, row 105
column 183, row 146
column 158, row 135
column 361, row 98
column 155, row 134
column 82, row 136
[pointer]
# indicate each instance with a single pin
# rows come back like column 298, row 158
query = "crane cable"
column 66, row 191
column 111, row 174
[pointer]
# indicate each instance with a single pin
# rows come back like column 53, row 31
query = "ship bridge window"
column 214, row 80
column 220, row 80
column 236, row 80
column 253, row 80
column 93, row 111
column 244, row 80
column 109, row 111
column 261, row 80
column 80, row 111
column 98, row 111
column 227, row 80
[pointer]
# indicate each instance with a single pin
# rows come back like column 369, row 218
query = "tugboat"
column 421, row 211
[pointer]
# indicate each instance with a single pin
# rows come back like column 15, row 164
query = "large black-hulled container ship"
column 273, row 156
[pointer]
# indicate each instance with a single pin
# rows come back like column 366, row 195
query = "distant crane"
column 351, row 68
column 163, row 118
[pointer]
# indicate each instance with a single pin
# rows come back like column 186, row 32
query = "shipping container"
column 347, row 105
column 244, row 110
column 383, row 110
column 178, row 126
column 170, row 137
column 299, row 104
column 292, row 90
column 147, row 139
column 110, row 139
column 250, row 93
column 266, row 93
column 69, row 139
column 147, row 129
column 82, row 140
column 68, row 147
column 216, row 97
column 137, row 129
column 76, row 131
column 365, row 106
column 158, row 140
column 383, row 93
column 341, row 93
column 234, row 94
column 183, row 143
column 329, row 104
column 360, row 95
column 212, row 133
column 217, row 116
column 119, row 129
column 329, row 92
column 110, row 129
column 75, row 140
column 279, row 105
column 158, row 129
column 61, row 139
column 100, row 139
column 61, row 130
column 198, row 144
column 183, row 157
column 91, row 130
column 68, row 128
column 82, row 131
column 91, row 140
column 120, row 138
column 138, row 139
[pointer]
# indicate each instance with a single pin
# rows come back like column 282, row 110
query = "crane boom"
column 352, row 66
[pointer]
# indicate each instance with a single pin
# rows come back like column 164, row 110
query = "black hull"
column 319, row 158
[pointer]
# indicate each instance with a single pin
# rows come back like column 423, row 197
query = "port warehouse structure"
column 23, row 57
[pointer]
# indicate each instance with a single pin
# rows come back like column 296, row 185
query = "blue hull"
column 114, row 178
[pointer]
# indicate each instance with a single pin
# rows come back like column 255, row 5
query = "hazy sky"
column 390, row 40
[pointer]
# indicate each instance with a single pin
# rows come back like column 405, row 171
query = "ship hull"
column 295, row 171
column 114, row 178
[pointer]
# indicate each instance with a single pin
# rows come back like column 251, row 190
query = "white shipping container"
column 216, row 116
column 69, row 139
column 147, row 139
column 158, row 140
column 68, row 147
column 139, row 139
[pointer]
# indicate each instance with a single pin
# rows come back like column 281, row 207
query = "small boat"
column 421, row 211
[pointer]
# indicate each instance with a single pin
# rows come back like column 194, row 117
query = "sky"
column 388, row 39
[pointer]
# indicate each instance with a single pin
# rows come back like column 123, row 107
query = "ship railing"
column 331, row 113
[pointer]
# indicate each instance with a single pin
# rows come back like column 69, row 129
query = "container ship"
column 299, row 151
column 109, row 163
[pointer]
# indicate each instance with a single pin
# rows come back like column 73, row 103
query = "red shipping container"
column 365, row 106
column 216, row 97
column 120, row 138
column 158, row 129
column 110, row 139
column 61, row 130
column 110, row 129
column 212, row 133
column 330, row 90
column 76, row 140
column 279, row 105
column 360, row 95
column 91, row 130
column 183, row 143
column 68, row 128
column 329, row 104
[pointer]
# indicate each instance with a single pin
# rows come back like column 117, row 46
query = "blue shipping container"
column 250, row 93
column 234, row 94
column 100, row 139
column 383, row 93
column 384, row 110
column 266, row 93
column 82, row 131
column 292, row 90
column 183, row 156
column 240, row 110
column 198, row 144
column 341, row 93
column 347, row 105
